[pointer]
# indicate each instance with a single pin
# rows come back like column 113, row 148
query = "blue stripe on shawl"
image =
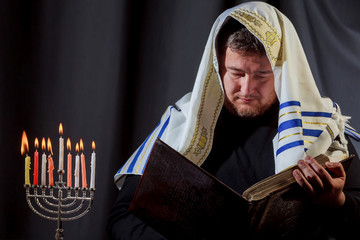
column 352, row 133
column 316, row 114
column 312, row 132
column 289, row 145
column 290, row 124
column 132, row 164
column 164, row 126
column 289, row 103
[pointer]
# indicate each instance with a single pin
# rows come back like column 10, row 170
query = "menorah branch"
column 59, row 203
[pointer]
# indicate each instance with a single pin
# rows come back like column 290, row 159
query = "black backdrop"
column 108, row 69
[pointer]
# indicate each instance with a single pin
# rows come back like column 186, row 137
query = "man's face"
column 248, row 81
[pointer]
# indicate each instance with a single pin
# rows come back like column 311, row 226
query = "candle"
column 77, row 166
column 61, row 148
column 93, row 161
column 69, row 159
column 83, row 168
column 25, row 149
column 43, row 163
column 27, row 169
column 51, row 171
column 36, row 162
column 50, row 164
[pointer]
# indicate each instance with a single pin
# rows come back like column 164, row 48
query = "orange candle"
column 69, row 160
column 36, row 162
column 50, row 164
column 50, row 171
column 83, row 168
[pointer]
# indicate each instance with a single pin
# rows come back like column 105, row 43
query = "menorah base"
column 59, row 203
column 59, row 234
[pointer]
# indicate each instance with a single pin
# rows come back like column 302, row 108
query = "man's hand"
column 325, row 188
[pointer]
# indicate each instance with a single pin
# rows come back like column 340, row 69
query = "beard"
column 248, row 111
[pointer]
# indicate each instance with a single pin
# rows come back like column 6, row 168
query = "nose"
column 245, row 85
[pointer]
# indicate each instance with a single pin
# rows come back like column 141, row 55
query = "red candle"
column 50, row 164
column 36, row 163
column 83, row 168
column 69, row 160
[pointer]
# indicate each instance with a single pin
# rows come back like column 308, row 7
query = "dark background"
column 108, row 69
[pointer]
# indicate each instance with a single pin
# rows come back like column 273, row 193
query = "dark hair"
column 238, row 38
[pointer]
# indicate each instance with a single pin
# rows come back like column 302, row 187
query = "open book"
column 182, row 201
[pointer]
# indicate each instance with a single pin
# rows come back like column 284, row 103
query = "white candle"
column 92, row 165
column 77, row 170
column 61, row 149
column 61, row 153
column 43, row 163
column 77, row 166
column 43, row 169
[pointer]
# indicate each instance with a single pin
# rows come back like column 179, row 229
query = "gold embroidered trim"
column 265, row 32
column 289, row 113
column 330, row 132
column 289, row 136
column 202, row 141
column 333, row 149
column 199, row 116
column 144, row 151
column 319, row 123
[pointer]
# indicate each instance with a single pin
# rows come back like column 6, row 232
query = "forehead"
column 248, row 58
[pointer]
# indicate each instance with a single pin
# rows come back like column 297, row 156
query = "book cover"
column 182, row 201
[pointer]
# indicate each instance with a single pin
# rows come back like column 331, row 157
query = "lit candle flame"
column 49, row 146
column 81, row 145
column 36, row 143
column 77, row 147
column 68, row 145
column 43, row 144
column 24, row 144
column 60, row 129
column 93, row 145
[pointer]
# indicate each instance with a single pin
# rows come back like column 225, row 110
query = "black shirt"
column 242, row 152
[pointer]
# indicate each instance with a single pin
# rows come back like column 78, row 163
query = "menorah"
column 59, row 203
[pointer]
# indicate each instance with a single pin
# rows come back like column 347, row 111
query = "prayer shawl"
column 308, row 124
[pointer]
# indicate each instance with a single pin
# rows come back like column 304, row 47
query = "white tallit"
column 308, row 124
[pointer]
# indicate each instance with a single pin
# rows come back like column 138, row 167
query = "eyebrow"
column 264, row 72
column 257, row 72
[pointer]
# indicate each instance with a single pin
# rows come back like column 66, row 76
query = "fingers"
column 312, row 177
column 301, row 180
column 336, row 169
column 324, row 185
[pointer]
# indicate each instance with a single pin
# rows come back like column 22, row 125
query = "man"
column 254, row 111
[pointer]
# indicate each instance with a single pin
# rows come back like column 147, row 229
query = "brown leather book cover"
column 182, row 201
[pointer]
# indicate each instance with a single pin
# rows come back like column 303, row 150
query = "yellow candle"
column 27, row 169
column 25, row 149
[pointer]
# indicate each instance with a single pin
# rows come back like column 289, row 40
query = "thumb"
column 336, row 169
